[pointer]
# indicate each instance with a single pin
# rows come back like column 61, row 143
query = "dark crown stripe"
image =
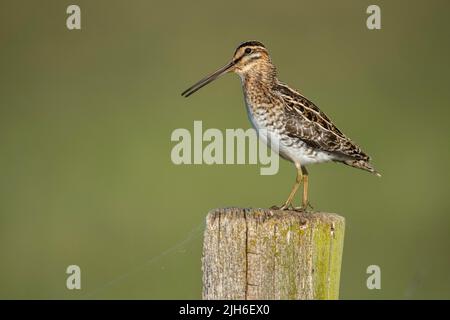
column 250, row 44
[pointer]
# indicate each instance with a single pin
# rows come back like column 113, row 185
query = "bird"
column 303, row 133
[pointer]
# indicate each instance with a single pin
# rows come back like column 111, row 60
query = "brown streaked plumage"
column 303, row 133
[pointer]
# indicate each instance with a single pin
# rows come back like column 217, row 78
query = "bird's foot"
column 304, row 208
column 286, row 206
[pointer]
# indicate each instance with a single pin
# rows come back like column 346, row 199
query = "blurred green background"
column 86, row 118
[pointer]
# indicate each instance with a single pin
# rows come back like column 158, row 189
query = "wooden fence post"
column 270, row 254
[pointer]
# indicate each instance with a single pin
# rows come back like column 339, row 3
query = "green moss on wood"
column 289, row 255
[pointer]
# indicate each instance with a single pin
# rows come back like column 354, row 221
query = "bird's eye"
column 248, row 50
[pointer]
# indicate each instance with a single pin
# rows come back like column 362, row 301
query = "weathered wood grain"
column 270, row 254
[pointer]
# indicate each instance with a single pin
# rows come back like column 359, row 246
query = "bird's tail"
column 361, row 164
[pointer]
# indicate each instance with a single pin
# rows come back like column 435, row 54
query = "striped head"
column 251, row 58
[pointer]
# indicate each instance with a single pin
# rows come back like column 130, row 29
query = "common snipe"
column 303, row 133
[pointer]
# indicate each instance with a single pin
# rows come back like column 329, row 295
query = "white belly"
column 298, row 153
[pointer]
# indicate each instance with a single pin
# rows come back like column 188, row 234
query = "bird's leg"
column 288, row 204
column 305, row 202
column 305, row 187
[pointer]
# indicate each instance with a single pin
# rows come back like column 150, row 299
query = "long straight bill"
column 207, row 79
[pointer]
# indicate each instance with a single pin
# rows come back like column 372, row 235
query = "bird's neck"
column 264, row 75
column 258, row 86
